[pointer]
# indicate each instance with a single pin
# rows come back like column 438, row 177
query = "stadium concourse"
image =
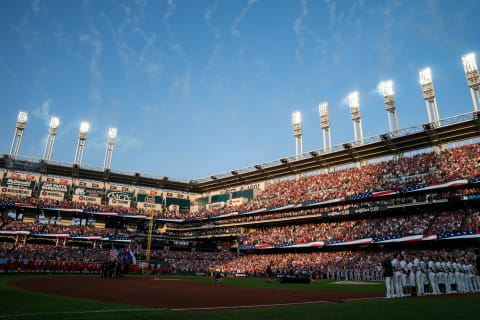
column 342, row 224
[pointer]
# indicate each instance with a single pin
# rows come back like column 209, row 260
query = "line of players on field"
column 414, row 275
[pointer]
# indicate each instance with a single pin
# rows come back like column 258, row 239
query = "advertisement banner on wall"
column 114, row 187
column 255, row 186
column 86, row 199
column 23, row 176
column 57, row 180
column 148, row 198
column 18, row 183
column 16, row 191
column 176, row 195
column 90, row 184
column 236, row 202
column 53, row 190
column 147, row 206
column 119, row 195
column 119, row 202
column 90, row 192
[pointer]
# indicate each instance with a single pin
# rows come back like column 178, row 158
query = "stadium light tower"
column 473, row 79
column 112, row 135
column 429, row 95
column 82, row 137
column 325, row 124
column 52, row 133
column 19, row 128
column 389, row 99
column 297, row 131
column 354, row 102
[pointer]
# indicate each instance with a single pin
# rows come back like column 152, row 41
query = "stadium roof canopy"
column 448, row 130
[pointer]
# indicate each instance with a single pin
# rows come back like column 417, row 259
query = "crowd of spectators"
column 423, row 223
column 425, row 168
column 45, row 228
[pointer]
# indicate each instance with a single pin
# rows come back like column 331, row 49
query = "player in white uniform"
column 451, row 275
column 397, row 277
column 446, row 279
column 432, row 276
column 439, row 275
column 403, row 268
column 411, row 277
column 417, row 268
column 458, row 276
column 468, row 280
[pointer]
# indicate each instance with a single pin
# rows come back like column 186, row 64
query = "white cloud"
column 170, row 12
column 234, row 30
column 331, row 6
column 43, row 111
column 127, row 143
column 299, row 25
column 379, row 89
column 36, row 6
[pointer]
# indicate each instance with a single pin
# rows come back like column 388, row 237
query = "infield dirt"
column 168, row 294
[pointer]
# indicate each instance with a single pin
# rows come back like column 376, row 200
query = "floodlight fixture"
column 297, row 118
column 112, row 134
column 297, row 132
column 425, row 76
column 18, row 135
column 54, row 123
column 389, row 100
column 429, row 95
column 354, row 102
column 469, row 63
column 22, row 119
column 82, row 137
column 52, row 133
column 325, row 124
column 388, row 89
column 84, row 127
column 473, row 78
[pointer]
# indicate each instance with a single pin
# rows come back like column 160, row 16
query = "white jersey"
column 449, row 266
column 431, row 266
column 416, row 264
column 410, row 267
column 395, row 265
column 438, row 266
column 403, row 265
column 454, row 267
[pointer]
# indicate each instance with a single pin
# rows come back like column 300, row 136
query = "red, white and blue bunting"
column 426, row 237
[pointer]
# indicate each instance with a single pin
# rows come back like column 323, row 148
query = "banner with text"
column 86, row 199
column 90, row 184
column 24, row 176
column 57, row 180
column 148, row 205
column 54, row 191
column 114, row 187
column 90, row 192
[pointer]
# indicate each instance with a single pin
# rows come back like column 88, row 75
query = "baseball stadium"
column 386, row 225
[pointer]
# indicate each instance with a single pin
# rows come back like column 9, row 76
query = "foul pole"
column 150, row 227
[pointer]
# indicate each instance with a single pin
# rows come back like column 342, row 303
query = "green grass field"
column 20, row 304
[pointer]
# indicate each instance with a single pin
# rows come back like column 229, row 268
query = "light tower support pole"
column 18, row 135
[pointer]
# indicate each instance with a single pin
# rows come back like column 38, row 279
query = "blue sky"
column 200, row 87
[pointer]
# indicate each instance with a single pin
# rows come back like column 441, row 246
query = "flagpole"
column 150, row 228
